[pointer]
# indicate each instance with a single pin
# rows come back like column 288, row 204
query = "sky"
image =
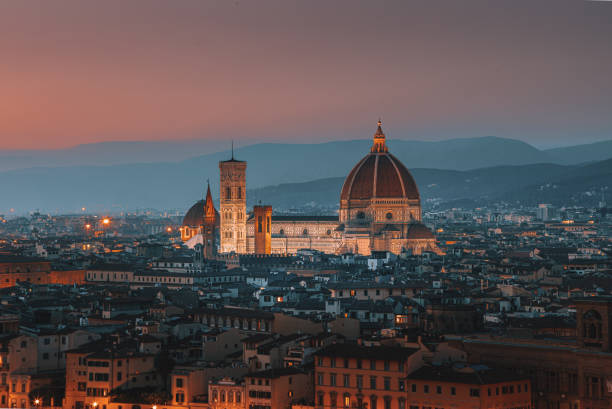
column 75, row 72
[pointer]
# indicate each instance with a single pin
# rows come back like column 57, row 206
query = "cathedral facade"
column 380, row 210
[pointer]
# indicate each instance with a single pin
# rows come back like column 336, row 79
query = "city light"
column 106, row 221
column 88, row 226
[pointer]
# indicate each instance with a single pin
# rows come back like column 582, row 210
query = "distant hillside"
column 530, row 184
column 572, row 155
column 459, row 154
column 443, row 170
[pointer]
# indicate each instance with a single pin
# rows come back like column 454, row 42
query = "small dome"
column 419, row 231
column 195, row 215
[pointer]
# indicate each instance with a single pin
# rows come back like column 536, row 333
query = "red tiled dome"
column 381, row 175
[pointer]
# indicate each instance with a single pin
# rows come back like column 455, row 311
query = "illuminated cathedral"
column 380, row 210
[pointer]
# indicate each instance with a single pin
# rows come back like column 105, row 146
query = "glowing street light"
column 88, row 226
column 106, row 221
column 95, row 404
column 169, row 230
column 37, row 402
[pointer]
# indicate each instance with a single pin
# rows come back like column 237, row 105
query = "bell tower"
column 232, row 209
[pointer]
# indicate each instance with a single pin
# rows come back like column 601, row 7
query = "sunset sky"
column 76, row 72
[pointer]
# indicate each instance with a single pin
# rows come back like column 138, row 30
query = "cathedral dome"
column 379, row 175
column 195, row 215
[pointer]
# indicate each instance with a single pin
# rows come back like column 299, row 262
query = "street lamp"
column 95, row 404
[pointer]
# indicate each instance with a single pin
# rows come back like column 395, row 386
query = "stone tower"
column 263, row 229
column 209, row 245
column 232, row 209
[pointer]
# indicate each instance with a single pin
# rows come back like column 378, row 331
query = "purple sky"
column 83, row 71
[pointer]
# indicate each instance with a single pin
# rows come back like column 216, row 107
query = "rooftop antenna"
column 232, row 149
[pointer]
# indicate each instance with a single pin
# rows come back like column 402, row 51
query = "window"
column 321, row 399
column 119, row 376
column 400, row 385
column 45, row 355
column 414, row 387
column 347, row 400
column 347, row 381
column 439, row 390
column 320, row 379
column 332, row 379
column 346, row 363
column 372, row 382
column 386, row 362
column 179, row 382
column 387, row 383
column 453, row 390
column 425, row 388
column 180, row 397
column 359, row 364
column 359, row 381
column 474, row 392
column 47, row 341
column 373, row 364
column 237, row 397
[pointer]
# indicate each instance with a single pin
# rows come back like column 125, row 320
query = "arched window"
column 389, row 215
column 347, row 400
column 361, row 215
column 592, row 325
column 228, row 193
column 281, row 232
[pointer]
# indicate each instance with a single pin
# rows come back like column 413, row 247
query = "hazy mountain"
column 108, row 153
column 460, row 154
column 172, row 184
column 581, row 153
